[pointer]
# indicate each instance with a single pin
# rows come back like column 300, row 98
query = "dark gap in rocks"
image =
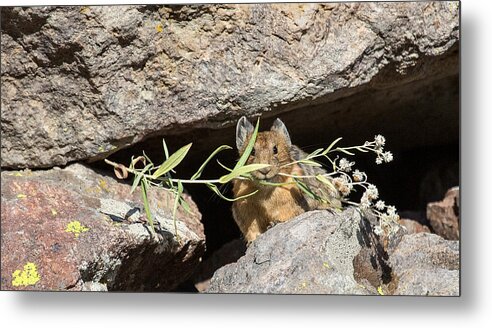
column 371, row 263
column 418, row 114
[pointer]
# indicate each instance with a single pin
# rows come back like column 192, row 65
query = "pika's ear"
column 243, row 130
column 280, row 127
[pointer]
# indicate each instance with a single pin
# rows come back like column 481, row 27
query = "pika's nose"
column 265, row 170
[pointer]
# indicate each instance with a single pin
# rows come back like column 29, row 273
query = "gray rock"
column 103, row 78
column 426, row 264
column 85, row 231
column 311, row 254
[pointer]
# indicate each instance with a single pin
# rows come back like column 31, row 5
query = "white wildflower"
column 358, row 175
column 387, row 156
column 394, row 229
column 372, row 192
column 343, row 185
column 380, row 205
column 380, row 141
column 365, row 203
column 391, row 210
column 379, row 160
column 345, row 165
column 378, row 230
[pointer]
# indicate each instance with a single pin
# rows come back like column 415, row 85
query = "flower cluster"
column 345, row 178
column 345, row 165
column 388, row 221
column 378, row 147
column 343, row 184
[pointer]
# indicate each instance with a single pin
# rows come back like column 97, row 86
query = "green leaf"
column 172, row 161
column 275, row 184
column 344, row 151
column 138, row 177
column 166, row 151
column 179, row 191
column 306, row 189
column 241, row 171
column 314, row 153
column 326, row 181
column 247, row 151
column 327, row 150
column 200, row 170
column 144, row 186
column 223, row 166
column 217, row 191
column 310, row 162
column 183, row 203
column 147, row 157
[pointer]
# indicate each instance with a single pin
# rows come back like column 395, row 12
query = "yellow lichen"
column 326, row 265
column 380, row 291
column 103, row 185
column 85, row 10
column 76, row 228
column 27, row 277
column 20, row 196
column 159, row 28
column 18, row 174
column 53, row 212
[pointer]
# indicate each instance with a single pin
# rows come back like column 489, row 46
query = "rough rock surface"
column 74, row 229
column 316, row 253
column 102, row 78
column 413, row 226
column 426, row 264
column 444, row 216
column 228, row 253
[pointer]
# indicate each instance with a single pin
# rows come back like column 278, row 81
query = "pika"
column 273, row 204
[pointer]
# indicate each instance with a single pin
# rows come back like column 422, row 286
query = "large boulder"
column 426, row 264
column 324, row 253
column 75, row 229
column 102, row 78
column 316, row 253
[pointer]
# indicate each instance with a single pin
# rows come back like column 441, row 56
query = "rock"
column 228, row 253
column 413, row 226
column 444, row 216
column 103, row 78
column 426, row 264
column 315, row 253
column 75, row 229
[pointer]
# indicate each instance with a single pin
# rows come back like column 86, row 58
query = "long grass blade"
column 241, row 171
column 217, row 191
column 138, row 177
column 327, row 150
column 172, row 161
column 144, row 187
column 216, row 151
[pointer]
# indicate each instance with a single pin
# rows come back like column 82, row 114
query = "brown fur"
column 272, row 204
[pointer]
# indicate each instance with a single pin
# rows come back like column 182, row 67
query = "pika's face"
column 270, row 148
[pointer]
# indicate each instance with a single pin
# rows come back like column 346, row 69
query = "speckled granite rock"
column 102, row 78
column 78, row 230
column 426, row 264
column 316, row 253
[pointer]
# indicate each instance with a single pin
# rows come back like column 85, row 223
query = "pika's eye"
column 275, row 150
column 252, row 152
